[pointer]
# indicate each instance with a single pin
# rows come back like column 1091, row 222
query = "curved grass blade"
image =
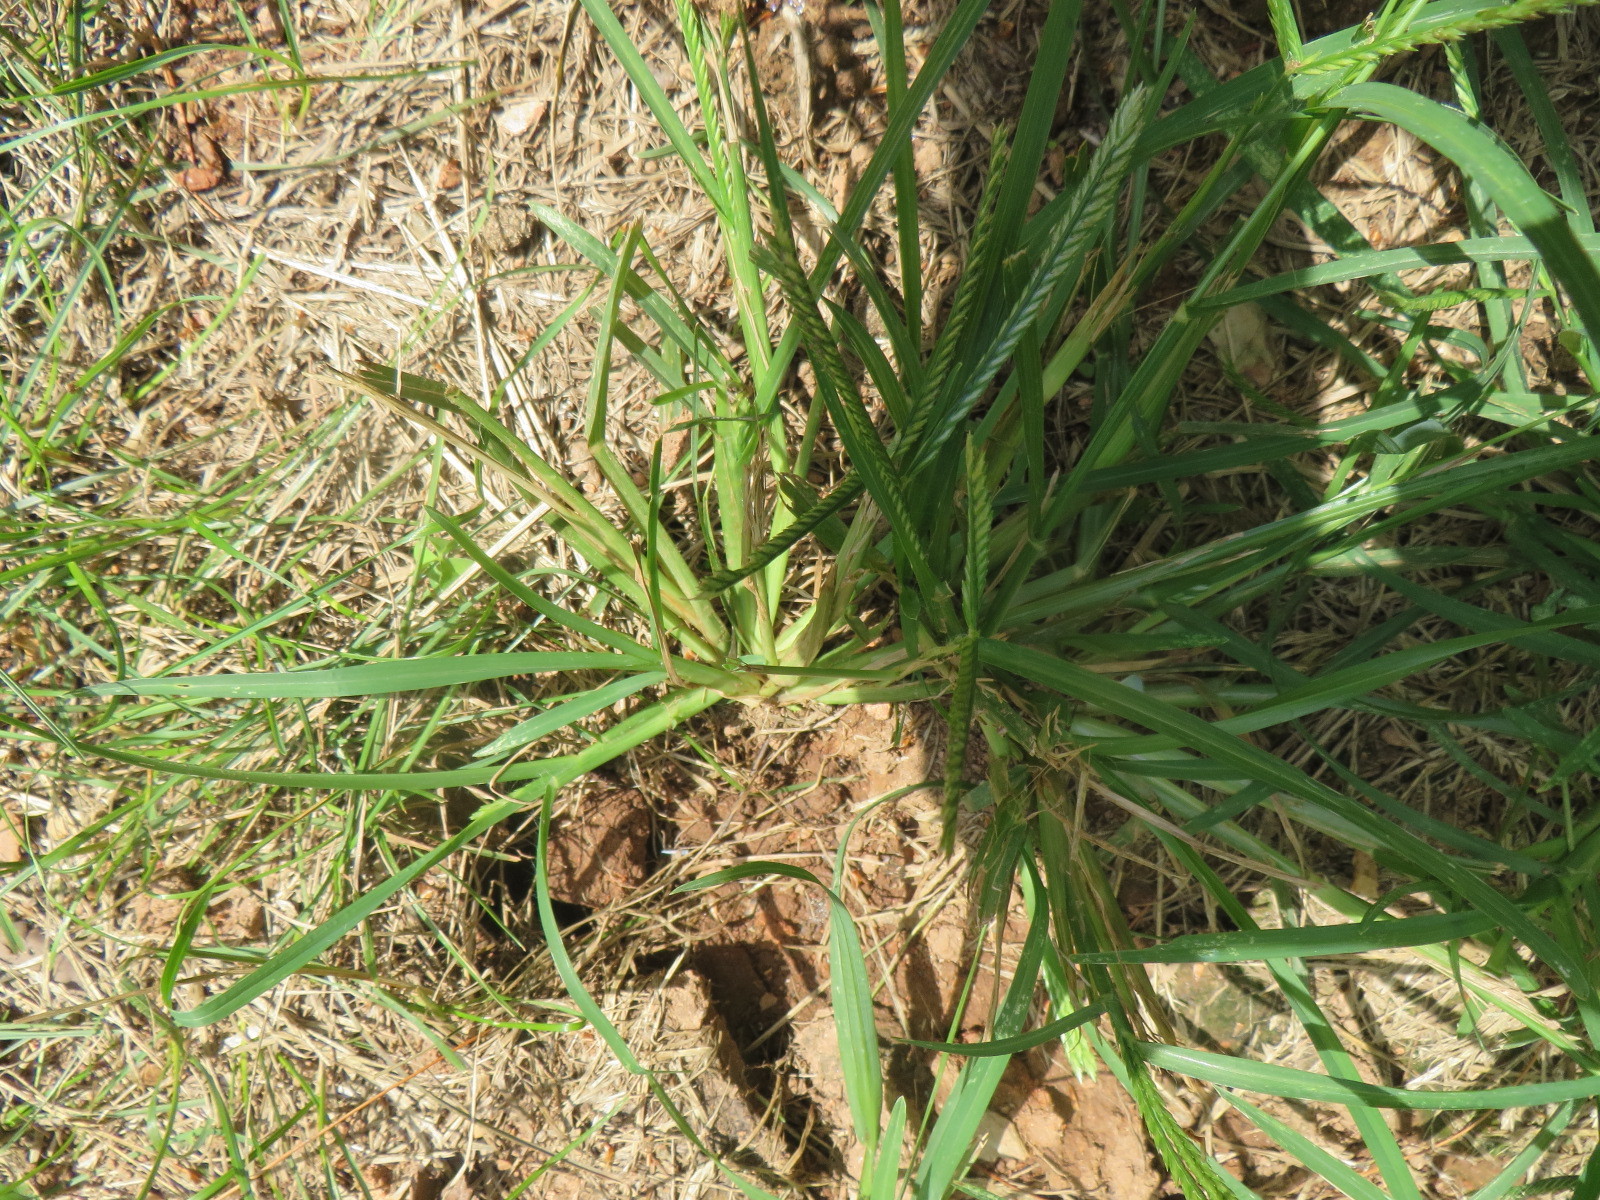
column 1383, row 262
column 199, row 96
column 1500, row 174
column 567, row 619
column 1348, row 685
column 631, row 731
column 1004, row 1047
column 564, row 713
column 1062, row 593
column 194, row 912
column 653, row 94
column 1557, row 147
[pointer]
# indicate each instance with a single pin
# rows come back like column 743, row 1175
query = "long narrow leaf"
column 371, row 679
column 1276, row 1080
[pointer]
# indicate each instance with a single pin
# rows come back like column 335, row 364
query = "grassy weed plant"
column 916, row 534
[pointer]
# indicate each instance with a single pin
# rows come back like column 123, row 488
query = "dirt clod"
column 1082, row 1136
column 507, row 229
column 600, row 850
column 698, row 1038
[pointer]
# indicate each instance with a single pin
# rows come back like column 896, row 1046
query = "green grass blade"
column 1500, row 174
column 569, row 710
column 885, row 1176
column 370, row 679
column 1004, row 1047
column 1381, row 262
column 653, row 94
column 1080, row 224
column 1306, row 941
column 1505, row 1182
column 305, row 951
column 949, row 1144
column 1292, row 1084
column 1343, row 1176
column 1254, row 763
column 554, row 613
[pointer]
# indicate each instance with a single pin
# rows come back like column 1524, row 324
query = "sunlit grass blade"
column 1481, row 159
column 371, row 679
column 1505, row 1182
column 1292, row 1084
column 885, row 1176
column 851, row 992
column 200, row 95
column 1305, row 941
column 868, row 454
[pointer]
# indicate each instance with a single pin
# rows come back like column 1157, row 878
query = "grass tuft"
column 1106, row 554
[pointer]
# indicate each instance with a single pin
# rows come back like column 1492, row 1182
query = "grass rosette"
column 913, row 535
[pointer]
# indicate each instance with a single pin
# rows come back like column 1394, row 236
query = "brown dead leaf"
column 1364, row 875
column 199, row 179
column 210, row 167
column 10, row 838
column 601, row 852
column 516, row 118
column 1245, row 340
